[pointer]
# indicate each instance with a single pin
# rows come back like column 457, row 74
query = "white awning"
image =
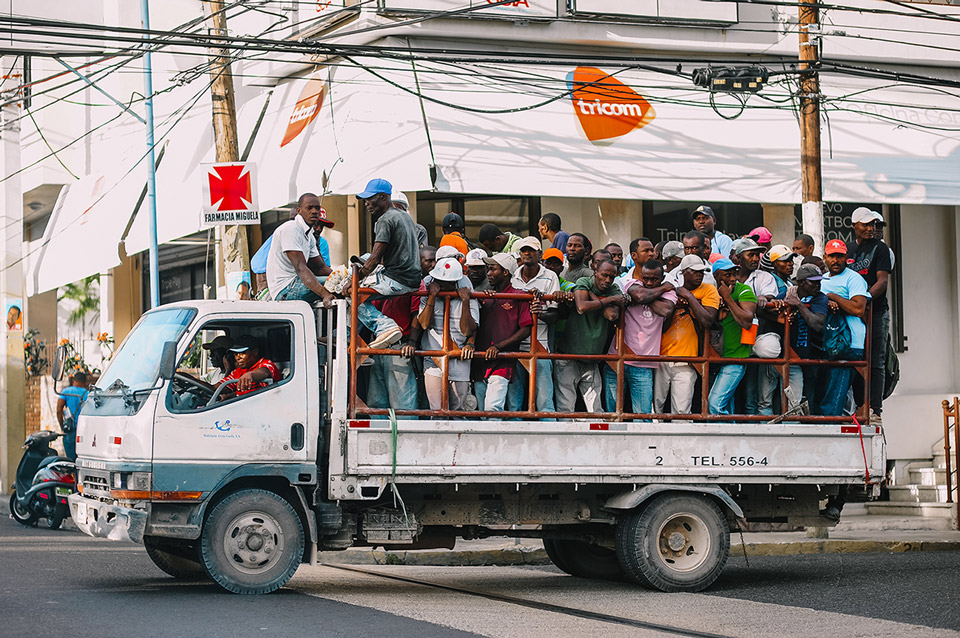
column 606, row 133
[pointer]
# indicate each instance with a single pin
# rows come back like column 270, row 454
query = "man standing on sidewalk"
column 871, row 258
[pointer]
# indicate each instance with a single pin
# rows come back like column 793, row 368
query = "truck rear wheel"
column 583, row 560
column 679, row 542
column 252, row 542
column 180, row 561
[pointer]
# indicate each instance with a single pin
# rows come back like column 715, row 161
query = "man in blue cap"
column 396, row 249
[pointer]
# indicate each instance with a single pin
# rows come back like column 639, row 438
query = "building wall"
column 929, row 368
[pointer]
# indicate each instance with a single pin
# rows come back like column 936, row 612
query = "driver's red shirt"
column 262, row 363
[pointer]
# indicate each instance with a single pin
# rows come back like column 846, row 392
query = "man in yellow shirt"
column 695, row 311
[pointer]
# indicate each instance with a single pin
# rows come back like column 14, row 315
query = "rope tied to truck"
column 394, row 436
column 866, row 464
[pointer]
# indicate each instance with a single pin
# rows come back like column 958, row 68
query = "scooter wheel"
column 55, row 520
column 21, row 514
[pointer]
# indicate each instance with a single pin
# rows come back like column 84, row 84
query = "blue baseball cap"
column 723, row 264
column 375, row 186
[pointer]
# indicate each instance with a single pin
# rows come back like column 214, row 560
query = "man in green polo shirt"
column 597, row 301
column 737, row 315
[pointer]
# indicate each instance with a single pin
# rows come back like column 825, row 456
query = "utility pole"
column 233, row 253
column 151, row 159
column 810, row 173
column 12, row 380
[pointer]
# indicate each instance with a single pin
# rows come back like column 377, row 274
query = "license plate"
column 82, row 513
column 63, row 491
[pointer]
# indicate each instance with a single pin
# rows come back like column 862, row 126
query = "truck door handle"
column 296, row 436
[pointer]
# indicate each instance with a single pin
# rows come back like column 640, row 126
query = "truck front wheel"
column 679, row 542
column 252, row 542
column 177, row 560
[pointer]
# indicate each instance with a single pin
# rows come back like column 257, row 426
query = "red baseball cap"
column 835, row 246
column 323, row 218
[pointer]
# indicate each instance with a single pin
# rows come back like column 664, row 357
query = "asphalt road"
column 63, row 583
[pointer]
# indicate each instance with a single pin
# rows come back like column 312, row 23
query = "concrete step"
column 918, row 493
column 860, row 523
column 928, row 476
column 902, row 509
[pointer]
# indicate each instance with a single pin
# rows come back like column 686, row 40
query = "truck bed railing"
column 703, row 364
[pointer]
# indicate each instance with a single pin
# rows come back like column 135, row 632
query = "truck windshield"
column 136, row 363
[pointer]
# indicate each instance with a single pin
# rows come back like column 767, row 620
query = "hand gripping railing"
column 702, row 364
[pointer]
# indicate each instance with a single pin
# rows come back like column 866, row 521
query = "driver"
column 252, row 370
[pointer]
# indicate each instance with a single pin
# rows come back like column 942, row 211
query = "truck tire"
column 252, row 542
column 583, row 560
column 679, row 542
column 175, row 560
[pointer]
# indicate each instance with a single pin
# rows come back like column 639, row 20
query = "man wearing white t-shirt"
column 294, row 263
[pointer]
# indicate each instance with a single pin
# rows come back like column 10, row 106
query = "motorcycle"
column 44, row 480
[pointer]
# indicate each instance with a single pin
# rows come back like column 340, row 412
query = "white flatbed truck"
column 246, row 489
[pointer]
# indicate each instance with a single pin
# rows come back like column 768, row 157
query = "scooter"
column 44, row 481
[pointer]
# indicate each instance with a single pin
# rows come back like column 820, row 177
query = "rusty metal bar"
column 956, row 448
column 535, row 352
column 619, row 369
column 603, row 417
column 447, row 341
column 948, row 412
column 354, row 336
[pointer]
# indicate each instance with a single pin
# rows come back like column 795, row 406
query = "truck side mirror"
column 56, row 370
column 168, row 360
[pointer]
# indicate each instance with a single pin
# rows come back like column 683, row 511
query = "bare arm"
column 743, row 312
column 425, row 318
column 376, row 256
column 467, row 325
column 662, row 307
column 856, row 306
column 586, row 301
column 704, row 316
column 879, row 289
column 319, row 267
column 61, row 404
column 641, row 295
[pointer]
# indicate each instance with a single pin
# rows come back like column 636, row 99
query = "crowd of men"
column 669, row 299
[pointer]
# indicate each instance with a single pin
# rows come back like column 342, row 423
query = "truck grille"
column 95, row 484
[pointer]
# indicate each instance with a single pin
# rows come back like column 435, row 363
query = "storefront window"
column 518, row 215
column 667, row 221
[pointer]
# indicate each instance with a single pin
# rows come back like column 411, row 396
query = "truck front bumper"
column 100, row 520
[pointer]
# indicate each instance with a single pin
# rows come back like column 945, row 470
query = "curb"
column 843, row 547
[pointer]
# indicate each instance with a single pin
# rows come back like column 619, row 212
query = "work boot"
column 876, row 418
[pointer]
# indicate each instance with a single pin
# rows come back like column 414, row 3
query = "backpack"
column 891, row 371
column 836, row 335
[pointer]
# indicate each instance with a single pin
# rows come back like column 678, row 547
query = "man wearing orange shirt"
column 695, row 311
column 452, row 225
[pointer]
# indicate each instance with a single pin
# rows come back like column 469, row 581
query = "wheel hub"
column 684, row 542
column 677, row 541
column 254, row 542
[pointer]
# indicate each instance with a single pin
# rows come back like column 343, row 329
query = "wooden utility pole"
column 812, row 206
column 233, row 253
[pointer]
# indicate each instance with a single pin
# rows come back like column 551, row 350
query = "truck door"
column 200, row 436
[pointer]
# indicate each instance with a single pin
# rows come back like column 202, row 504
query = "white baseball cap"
column 864, row 215
column 475, row 257
column 527, row 242
column 693, row 262
column 447, row 269
column 507, row 261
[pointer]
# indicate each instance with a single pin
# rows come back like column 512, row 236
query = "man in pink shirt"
column 650, row 301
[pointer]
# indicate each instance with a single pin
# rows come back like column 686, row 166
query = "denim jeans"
column 392, row 384
column 70, row 444
column 724, row 386
column 837, row 384
column 879, row 335
column 571, row 376
column 367, row 314
column 769, row 382
column 492, row 393
column 521, row 380
column 751, row 387
column 296, row 290
column 638, row 381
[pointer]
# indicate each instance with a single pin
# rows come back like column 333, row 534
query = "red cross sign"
column 229, row 194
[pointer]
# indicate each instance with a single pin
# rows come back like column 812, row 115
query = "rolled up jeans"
column 492, row 393
column 724, row 386
column 384, row 286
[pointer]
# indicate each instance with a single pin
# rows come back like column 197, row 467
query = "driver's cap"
column 223, row 342
column 244, row 343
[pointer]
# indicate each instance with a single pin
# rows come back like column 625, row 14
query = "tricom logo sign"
column 606, row 107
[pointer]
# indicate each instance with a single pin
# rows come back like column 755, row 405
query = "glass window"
column 207, row 372
column 518, row 215
column 668, row 221
column 136, row 363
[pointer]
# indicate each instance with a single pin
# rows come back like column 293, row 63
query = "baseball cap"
column 552, row 253
column 745, row 244
column 703, row 210
column 244, row 343
column 323, row 218
column 672, row 249
column 723, row 264
column 780, row 252
column 835, row 246
column 693, row 262
column 399, row 198
column 505, row 260
column 808, row 271
column 527, row 242
column 448, row 251
column 452, row 221
column 447, row 269
column 475, row 257
column 760, row 234
column 222, row 342
column 864, row 215
column 375, row 186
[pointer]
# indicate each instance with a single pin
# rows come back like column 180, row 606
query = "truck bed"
column 363, row 452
